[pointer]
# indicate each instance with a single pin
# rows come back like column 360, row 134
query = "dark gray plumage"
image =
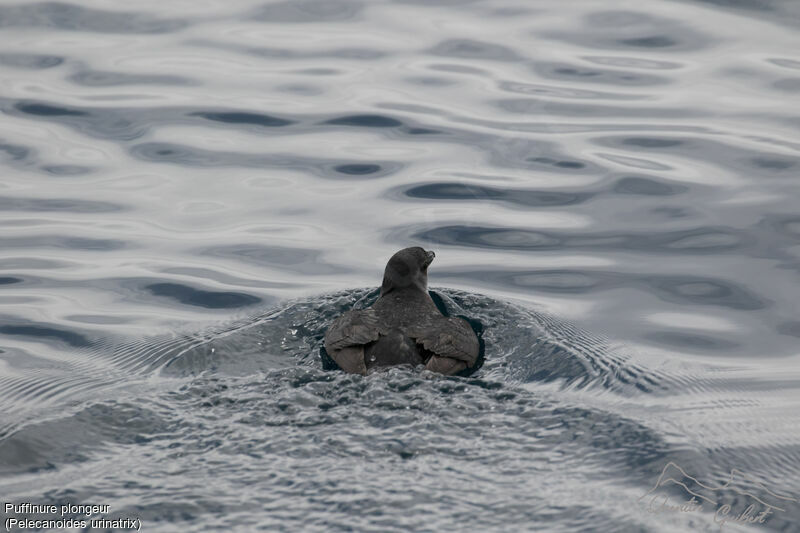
column 403, row 326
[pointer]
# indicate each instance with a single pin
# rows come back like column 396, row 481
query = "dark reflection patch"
column 101, row 122
column 532, row 198
column 709, row 240
column 574, row 72
column 556, row 91
column 754, row 5
column 581, row 108
column 633, row 62
column 364, row 54
column 770, row 163
column 234, row 117
column 786, row 225
column 651, row 142
column 357, row 169
column 422, row 131
column 69, row 205
column 15, row 152
column 286, row 54
column 63, row 16
column 60, row 241
column 672, row 212
column 471, row 49
column 437, row 2
column 319, row 71
column 7, row 280
column 98, row 78
column 690, row 341
column 187, row 155
column 46, row 332
column 789, row 328
column 371, row 170
column 791, row 85
column 557, row 163
column 30, row 61
column 430, row 81
column 200, row 298
column 66, row 170
column 654, row 41
column 365, row 121
column 647, row 186
column 639, row 29
column 179, row 154
column 47, row 110
column 704, row 291
column 305, row 11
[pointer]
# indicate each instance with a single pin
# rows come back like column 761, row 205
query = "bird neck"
column 410, row 294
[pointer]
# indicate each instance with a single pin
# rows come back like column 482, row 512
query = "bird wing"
column 350, row 359
column 345, row 339
column 449, row 337
column 354, row 328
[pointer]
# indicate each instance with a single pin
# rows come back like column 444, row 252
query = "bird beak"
column 430, row 255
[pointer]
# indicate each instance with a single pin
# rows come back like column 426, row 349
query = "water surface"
column 191, row 193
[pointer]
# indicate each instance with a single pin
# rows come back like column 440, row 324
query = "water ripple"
column 189, row 196
column 64, row 16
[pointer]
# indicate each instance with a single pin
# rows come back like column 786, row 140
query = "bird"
column 403, row 326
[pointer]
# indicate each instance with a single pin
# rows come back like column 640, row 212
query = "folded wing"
column 347, row 336
column 452, row 342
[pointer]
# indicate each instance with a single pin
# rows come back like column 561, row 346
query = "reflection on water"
column 172, row 177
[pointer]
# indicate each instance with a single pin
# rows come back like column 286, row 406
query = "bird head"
column 407, row 268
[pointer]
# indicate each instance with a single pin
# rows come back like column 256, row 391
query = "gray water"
column 191, row 192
